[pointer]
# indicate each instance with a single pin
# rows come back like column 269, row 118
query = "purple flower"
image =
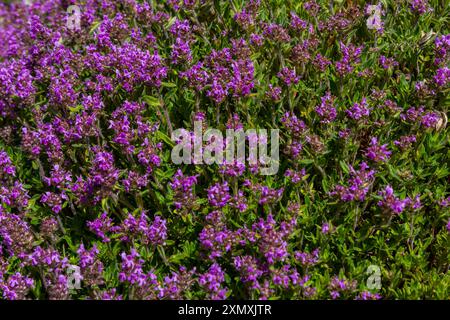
column 175, row 285
column 135, row 181
column 387, row 63
column 445, row 202
column 101, row 226
column 58, row 177
column 196, row 76
column 374, row 21
column 87, row 257
column 181, row 52
column 325, row 229
column 340, row 286
column 405, row 141
column 297, row 24
column 358, row 184
column 350, row 57
column 139, row 228
column 218, row 194
column 359, row 110
column 442, row 77
column 295, row 176
column 131, row 268
column 390, row 202
column 212, row 282
column 16, row 287
column 376, row 152
column 181, row 29
column 321, row 62
column 54, row 200
column 256, row 40
column 235, row 169
column 246, row 18
column 274, row 93
column 326, row 110
column 183, row 190
column 239, row 201
column 366, row 295
column 215, row 237
column 423, row 89
column 217, row 92
column 420, row 6
column 276, row 32
column 312, row 7
column 288, row 76
column 308, row 259
column 109, row 295
column 412, row 114
column 273, row 242
column 296, row 126
column 430, row 119
column 249, row 269
column 241, row 83
column 442, row 50
column 268, row 195
column 6, row 167
column 157, row 231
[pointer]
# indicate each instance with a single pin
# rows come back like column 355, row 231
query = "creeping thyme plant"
column 93, row 207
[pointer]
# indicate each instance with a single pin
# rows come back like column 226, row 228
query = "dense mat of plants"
column 86, row 177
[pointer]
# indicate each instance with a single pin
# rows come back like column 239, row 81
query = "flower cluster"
column 88, row 122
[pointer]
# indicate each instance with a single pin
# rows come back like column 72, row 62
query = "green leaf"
column 152, row 101
column 344, row 166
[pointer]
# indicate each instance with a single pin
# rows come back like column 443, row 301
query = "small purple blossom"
column 288, row 76
column 326, row 110
column 377, row 152
column 359, row 110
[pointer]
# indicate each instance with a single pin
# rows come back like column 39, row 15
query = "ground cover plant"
column 93, row 207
